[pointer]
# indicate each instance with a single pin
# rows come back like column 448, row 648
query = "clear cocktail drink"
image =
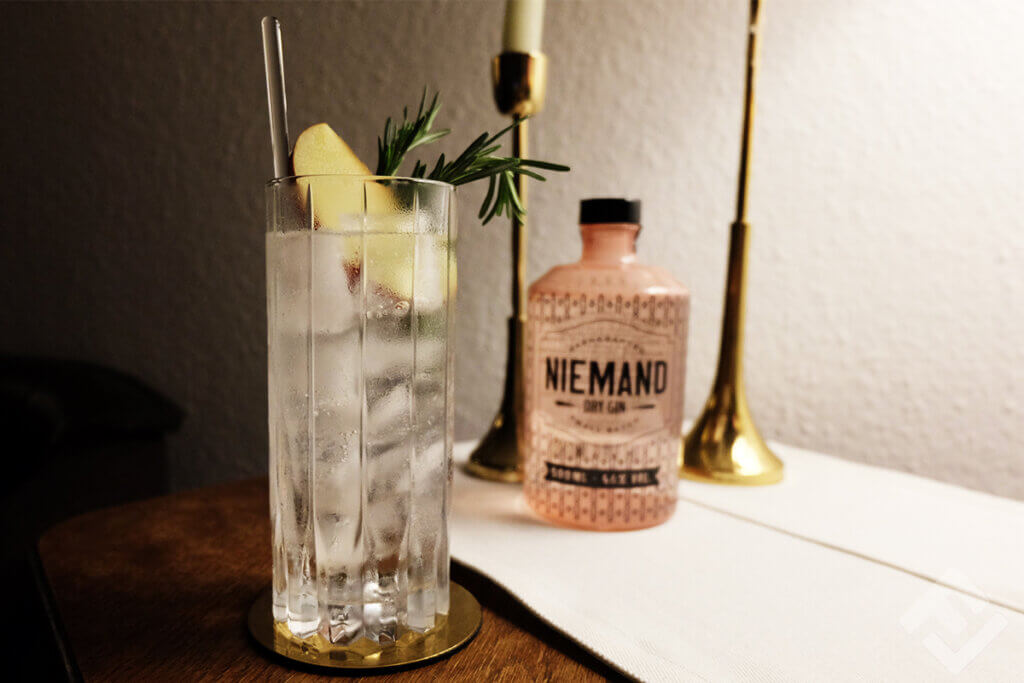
column 360, row 289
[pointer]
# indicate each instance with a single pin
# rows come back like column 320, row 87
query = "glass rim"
column 277, row 182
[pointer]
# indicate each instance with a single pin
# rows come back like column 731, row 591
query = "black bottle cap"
column 609, row 211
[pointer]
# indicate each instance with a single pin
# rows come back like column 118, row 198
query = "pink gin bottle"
column 604, row 373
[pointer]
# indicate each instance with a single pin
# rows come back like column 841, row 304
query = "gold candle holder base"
column 724, row 445
column 496, row 457
column 366, row 657
column 520, row 84
column 727, row 449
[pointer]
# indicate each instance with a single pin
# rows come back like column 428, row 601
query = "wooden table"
column 159, row 590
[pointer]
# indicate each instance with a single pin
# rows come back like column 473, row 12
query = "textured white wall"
column 887, row 280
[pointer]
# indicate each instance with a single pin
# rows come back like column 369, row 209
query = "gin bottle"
column 604, row 374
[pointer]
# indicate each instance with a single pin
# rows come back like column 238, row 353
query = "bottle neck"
column 611, row 243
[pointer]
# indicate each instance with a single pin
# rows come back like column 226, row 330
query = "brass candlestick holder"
column 724, row 445
column 520, row 80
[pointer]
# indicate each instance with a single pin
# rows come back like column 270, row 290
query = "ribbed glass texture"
column 360, row 298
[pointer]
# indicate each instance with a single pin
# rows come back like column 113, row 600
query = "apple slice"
column 321, row 151
column 391, row 245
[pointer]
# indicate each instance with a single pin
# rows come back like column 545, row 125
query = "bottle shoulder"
column 620, row 279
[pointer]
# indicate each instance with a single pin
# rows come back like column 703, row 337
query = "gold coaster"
column 460, row 627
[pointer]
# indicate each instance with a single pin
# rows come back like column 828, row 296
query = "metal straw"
column 276, row 104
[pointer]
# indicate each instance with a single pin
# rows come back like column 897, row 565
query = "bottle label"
column 604, row 378
column 601, row 479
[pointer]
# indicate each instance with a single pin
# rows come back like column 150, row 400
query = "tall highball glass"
column 360, row 298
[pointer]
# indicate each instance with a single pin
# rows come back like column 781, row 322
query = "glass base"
column 460, row 627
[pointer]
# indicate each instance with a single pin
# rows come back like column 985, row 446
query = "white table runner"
column 827, row 576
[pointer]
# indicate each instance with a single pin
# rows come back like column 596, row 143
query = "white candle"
column 524, row 20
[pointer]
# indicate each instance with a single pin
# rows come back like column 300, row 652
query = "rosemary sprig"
column 477, row 161
column 398, row 140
